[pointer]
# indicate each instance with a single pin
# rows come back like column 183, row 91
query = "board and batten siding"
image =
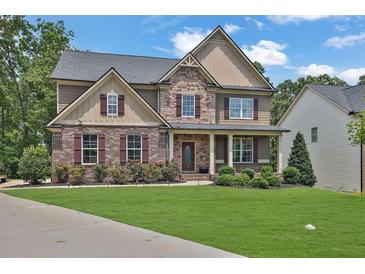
column 336, row 163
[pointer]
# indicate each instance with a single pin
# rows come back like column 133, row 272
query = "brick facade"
column 188, row 81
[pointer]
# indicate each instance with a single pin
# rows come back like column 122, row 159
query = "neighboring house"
column 208, row 109
column 322, row 113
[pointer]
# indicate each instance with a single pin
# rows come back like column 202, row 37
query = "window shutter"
column 77, row 149
column 123, row 156
column 255, row 149
column 120, row 105
column 103, row 106
column 145, row 148
column 178, row 105
column 226, row 108
column 255, row 109
column 197, row 106
column 101, row 148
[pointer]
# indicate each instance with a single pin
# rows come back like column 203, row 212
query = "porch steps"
column 194, row 177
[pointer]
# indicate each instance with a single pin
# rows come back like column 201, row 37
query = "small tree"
column 299, row 158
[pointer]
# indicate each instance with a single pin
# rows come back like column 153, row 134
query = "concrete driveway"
column 32, row 229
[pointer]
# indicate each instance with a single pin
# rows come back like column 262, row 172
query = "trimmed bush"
column 77, row 174
column 226, row 170
column 61, row 171
column 100, row 172
column 119, row 174
column 249, row 171
column 35, row 164
column 291, row 175
column 136, row 169
column 226, row 180
column 259, row 182
column 151, row 173
column 273, row 180
column 170, row 171
column 241, row 179
column 267, row 171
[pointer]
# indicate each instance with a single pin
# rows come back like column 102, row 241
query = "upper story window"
column 188, row 106
column 134, row 147
column 242, row 150
column 89, row 149
column 112, row 104
column 241, row 108
column 314, row 134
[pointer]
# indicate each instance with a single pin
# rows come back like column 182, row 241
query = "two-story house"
column 208, row 109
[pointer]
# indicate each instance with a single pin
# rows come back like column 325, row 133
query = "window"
column 112, row 104
column 188, row 106
column 242, row 150
column 89, row 149
column 241, row 108
column 314, row 134
column 134, row 147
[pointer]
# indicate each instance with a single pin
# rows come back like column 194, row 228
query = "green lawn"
column 255, row 223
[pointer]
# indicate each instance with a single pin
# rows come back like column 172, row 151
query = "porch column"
column 230, row 153
column 280, row 154
column 211, row 154
column 171, row 146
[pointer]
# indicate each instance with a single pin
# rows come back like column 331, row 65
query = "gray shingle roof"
column 90, row 66
column 228, row 127
column 350, row 98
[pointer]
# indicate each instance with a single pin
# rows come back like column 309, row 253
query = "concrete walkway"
column 32, row 229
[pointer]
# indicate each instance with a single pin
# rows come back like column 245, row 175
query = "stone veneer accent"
column 188, row 80
column 201, row 149
column 65, row 152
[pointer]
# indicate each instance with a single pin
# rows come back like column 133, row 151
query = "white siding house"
column 336, row 163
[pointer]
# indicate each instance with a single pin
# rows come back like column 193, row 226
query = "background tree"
column 361, row 80
column 356, row 129
column 299, row 158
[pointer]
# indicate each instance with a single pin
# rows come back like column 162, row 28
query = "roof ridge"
column 119, row 54
column 355, row 86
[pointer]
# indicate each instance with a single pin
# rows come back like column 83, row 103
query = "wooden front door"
column 188, row 156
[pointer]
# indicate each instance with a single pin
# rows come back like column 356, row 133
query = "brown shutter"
column 101, row 148
column 197, row 106
column 123, row 156
column 120, row 105
column 255, row 109
column 145, row 148
column 255, row 149
column 226, row 108
column 103, row 106
column 178, row 105
column 77, row 149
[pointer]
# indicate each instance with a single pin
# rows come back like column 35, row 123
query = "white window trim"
column 241, row 113
column 82, row 150
column 107, row 105
column 182, row 105
column 127, row 149
column 252, row 151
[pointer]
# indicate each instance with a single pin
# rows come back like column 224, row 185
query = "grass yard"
column 254, row 223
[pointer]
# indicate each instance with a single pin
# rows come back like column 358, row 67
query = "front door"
column 188, row 156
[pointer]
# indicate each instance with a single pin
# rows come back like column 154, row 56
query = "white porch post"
column 211, row 154
column 280, row 154
column 230, row 153
column 171, row 145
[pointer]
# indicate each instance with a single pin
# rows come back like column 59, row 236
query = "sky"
column 287, row 46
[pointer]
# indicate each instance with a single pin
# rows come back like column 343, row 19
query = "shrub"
column 61, row 171
column 249, row 171
column 100, row 172
column 241, row 179
column 226, row 170
column 291, row 175
column 136, row 170
column 77, row 174
column 267, row 171
column 34, row 165
column 151, row 173
column 226, row 180
column 170, row 171
column 273, row 180
column 259, row 182
column 119, row 174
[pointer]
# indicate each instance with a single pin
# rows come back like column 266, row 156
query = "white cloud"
column 296, row 19
column 341, row 27
column 351, row 76
column 345, row 41
column 231, row 28
column 315, row 70
column 157, row 23
column 267, row 53
column 260, row 25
